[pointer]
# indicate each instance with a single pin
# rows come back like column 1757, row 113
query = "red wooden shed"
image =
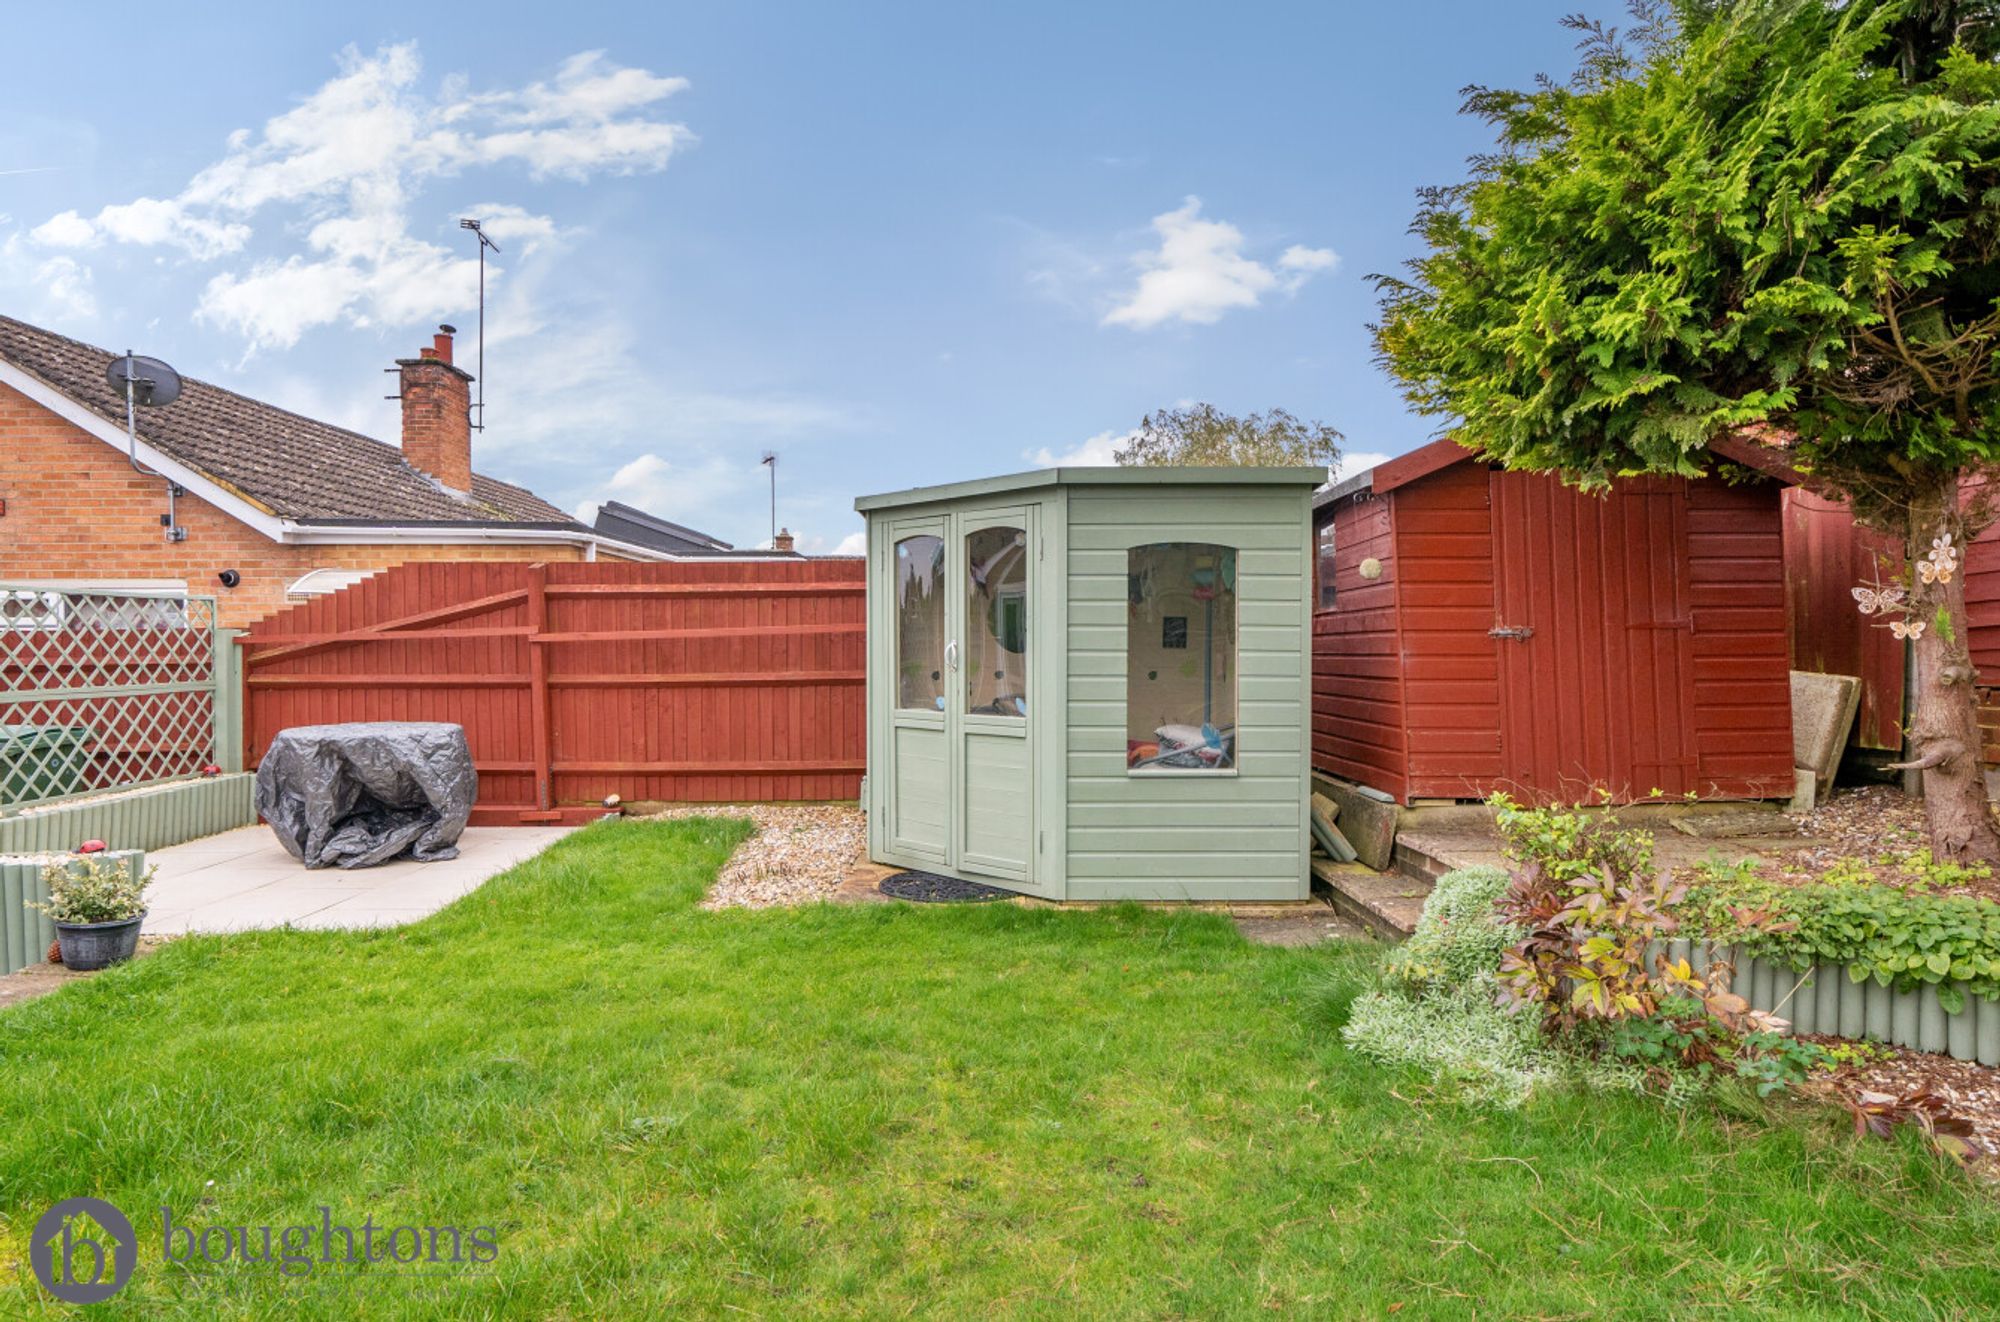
column 1826, row 555
column 1478, row 630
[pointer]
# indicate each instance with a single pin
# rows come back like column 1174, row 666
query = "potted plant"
column 97, row 903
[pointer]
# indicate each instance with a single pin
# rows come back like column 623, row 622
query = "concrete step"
column 1386, row 903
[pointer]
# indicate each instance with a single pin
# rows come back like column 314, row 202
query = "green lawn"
column 870, row 1111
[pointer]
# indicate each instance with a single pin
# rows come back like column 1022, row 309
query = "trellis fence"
column 104, row 691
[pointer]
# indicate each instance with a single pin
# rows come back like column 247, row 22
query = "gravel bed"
column 1873, row 825
column 798, row 855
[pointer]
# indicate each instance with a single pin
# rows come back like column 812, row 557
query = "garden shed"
column 1478, row 630
column 1092, row 683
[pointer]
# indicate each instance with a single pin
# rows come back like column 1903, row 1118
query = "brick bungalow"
column 283, row 505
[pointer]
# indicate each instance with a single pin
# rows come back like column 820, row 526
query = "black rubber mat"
column 929, row 888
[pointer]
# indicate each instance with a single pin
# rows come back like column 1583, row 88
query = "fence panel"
column 105, row 691
column 686, row 681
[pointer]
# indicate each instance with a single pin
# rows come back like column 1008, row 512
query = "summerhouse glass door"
column 960, row 758
column 988, row 657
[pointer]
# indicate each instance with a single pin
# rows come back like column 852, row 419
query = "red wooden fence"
column 687, row 681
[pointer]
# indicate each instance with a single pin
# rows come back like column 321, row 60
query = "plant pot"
column 87, row 946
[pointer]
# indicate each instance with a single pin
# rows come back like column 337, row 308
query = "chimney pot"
column 783, row 542
column 441, row 344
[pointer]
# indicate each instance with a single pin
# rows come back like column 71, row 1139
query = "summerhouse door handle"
column 1520, row 633
column 951, row 654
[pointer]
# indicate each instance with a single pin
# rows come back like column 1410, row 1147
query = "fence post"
column 538, row 685
column 229, row 700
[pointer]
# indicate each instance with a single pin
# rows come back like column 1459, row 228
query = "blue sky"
column 896, row 243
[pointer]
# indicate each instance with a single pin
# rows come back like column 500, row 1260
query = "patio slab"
column 244, row 879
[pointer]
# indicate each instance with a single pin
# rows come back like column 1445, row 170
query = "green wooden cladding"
column 947, row 795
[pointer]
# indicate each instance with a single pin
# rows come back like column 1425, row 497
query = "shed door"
column 1596, row 638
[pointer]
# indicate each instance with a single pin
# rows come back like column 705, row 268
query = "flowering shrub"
column 94, row 889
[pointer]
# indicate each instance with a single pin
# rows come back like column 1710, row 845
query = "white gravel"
column 798, row 855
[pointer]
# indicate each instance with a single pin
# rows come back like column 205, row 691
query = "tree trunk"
column 1944, row 739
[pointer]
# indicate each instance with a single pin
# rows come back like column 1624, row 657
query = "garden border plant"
column 1904, row 939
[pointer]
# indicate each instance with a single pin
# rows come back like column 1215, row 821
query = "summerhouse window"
column 920, row 624
column 1180, row 659
column 996, row 622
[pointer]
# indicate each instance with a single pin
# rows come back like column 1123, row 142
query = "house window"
column 920, row 624
column 1323, row 567
column 996, row 622
column 1180, row 658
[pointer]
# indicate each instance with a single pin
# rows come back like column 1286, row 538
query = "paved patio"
column 244, row 878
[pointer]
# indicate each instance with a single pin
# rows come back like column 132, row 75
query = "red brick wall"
column 75, row 509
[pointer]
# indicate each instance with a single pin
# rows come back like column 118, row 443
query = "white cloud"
column 1199, row 272
column 1092, row 452
column 66, row 284
column 855, row 543
column 688, row 490
column 65, row 229
column 343, row 166
column 1307, row 261
column 56, row 288
column 1357, row 462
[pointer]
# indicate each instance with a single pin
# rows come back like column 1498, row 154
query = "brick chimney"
column 437, row 413
column 782, row 543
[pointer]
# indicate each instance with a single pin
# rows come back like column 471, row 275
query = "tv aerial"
column 479, row 404
column 151, row 383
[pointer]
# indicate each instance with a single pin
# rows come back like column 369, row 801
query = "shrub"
column 1567, row 843
column 1437, row 1006
column 1902, row 938
column 94, row 888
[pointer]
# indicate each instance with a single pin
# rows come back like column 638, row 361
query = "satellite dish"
column 152, row 381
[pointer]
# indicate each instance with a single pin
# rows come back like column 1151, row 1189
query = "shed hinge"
column 1041, row 842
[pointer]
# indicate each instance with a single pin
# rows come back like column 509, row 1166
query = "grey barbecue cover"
column 352, row 796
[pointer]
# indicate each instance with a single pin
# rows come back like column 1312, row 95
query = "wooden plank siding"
column 1826, row 555
column 683, row 681
column 1358, row 730
column 1742, row 714
column 1451, row 668
column 1661, row 649
column 1157, row 837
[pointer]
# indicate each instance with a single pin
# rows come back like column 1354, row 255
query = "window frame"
column 1234, row 768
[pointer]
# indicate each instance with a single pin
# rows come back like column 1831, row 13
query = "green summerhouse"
column 1094, row 683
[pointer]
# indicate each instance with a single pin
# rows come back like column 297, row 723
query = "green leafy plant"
column 1568, row 841
column 94, row 889
column 1904, row 939
column 1713, row 1034
column 1764, row 228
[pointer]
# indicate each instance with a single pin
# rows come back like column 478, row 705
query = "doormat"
column 929, row 888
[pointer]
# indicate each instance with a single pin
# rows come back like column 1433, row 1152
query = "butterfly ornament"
column 1881, row 598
